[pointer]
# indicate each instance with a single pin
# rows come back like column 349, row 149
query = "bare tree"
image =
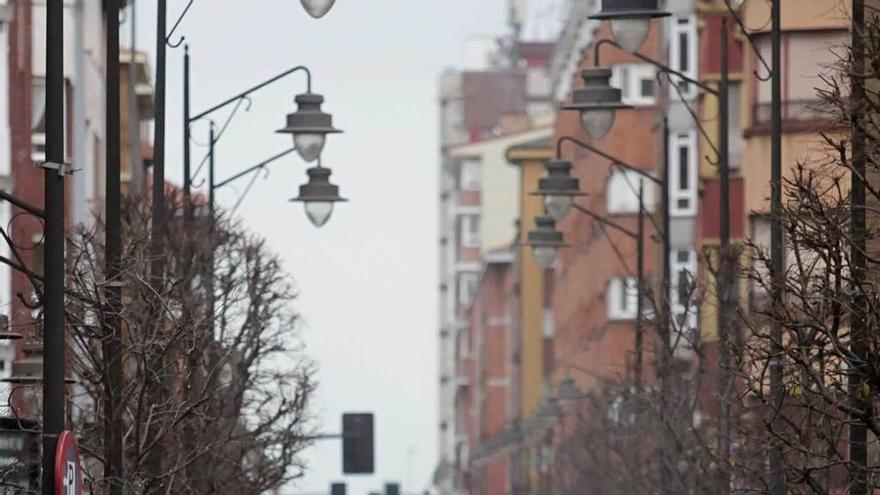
column 831, row 371
column 216, row 385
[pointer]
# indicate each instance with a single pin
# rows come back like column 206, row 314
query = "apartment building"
column 481, row 107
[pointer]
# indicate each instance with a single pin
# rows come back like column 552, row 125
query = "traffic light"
column 337, row 489
column 357, row 444
column 392, row 488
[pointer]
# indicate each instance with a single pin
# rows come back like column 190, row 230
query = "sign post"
column 68, row 472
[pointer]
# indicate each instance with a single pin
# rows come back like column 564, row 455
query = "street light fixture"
column 319, row 195
column 545, row 242
column 597, row 101
column 317, row 8
column 559, row 189
column 630, row 20
column 569, row 392
column 309, row 126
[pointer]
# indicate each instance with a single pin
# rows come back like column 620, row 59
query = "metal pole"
column 158, row 212
column 212, row 219
column 134, row 135
column 112, row 348
column 665, row 318
column 776, row 470
column 53, row 264
column 640, row 274
column 211, row 169
column 158, row 227
column 187, row 178
column 724, row 284
column 858, row 434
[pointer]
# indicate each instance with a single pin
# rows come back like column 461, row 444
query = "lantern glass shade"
column 598, row 121
column 631, row 32
column 309, row 145
column 545, row 256
column 558, row 205
column 319, row 212
column 317, row 8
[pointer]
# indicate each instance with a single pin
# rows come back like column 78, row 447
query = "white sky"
column 368, row 278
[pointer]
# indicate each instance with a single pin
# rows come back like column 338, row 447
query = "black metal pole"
column 212, row 240
column 775, row 467
column 53, row 264
column 134, row 129
column 665, row 372
column 858, row 433
column 112, row 348
column 158, row 225
column 158, row 212
column 187, row 177
column 724, row 284
column 640, row 289
column 211, row 185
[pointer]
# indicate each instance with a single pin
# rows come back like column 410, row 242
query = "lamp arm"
column 614, row 225
column 33, row 210
column 254, row 168
column 605, row 155
column 662, row 67
column 262, row 85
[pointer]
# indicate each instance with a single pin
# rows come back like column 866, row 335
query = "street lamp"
column 569, row 392
column 597, row 101
column 545, row 242
column 317, row 8
column 630, row 20
column 559, row 189
column 319, row 195
column 309, row 126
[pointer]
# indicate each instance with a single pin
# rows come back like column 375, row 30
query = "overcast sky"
column 367, row 279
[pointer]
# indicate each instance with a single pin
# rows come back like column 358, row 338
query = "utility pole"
column 112, row 346
column 136, row 163
column 725, row 282
column 53, row 265
column 777, row 364
column 858, row 432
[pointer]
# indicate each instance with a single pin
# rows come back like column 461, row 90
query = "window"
column 467, row 287
column 623, row 192
column 470, row 178
column 38, row 122
column 683, row 174
column 683, row 54
column 636, row 82
column 622, row 298
column 470, row 231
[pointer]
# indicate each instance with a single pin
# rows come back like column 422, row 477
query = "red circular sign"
column 68, row 473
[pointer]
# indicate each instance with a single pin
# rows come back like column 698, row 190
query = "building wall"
column 488, row 383
column 531, row 287
column 472, row 106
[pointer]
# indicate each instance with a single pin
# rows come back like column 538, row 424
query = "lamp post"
column 53, row 287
